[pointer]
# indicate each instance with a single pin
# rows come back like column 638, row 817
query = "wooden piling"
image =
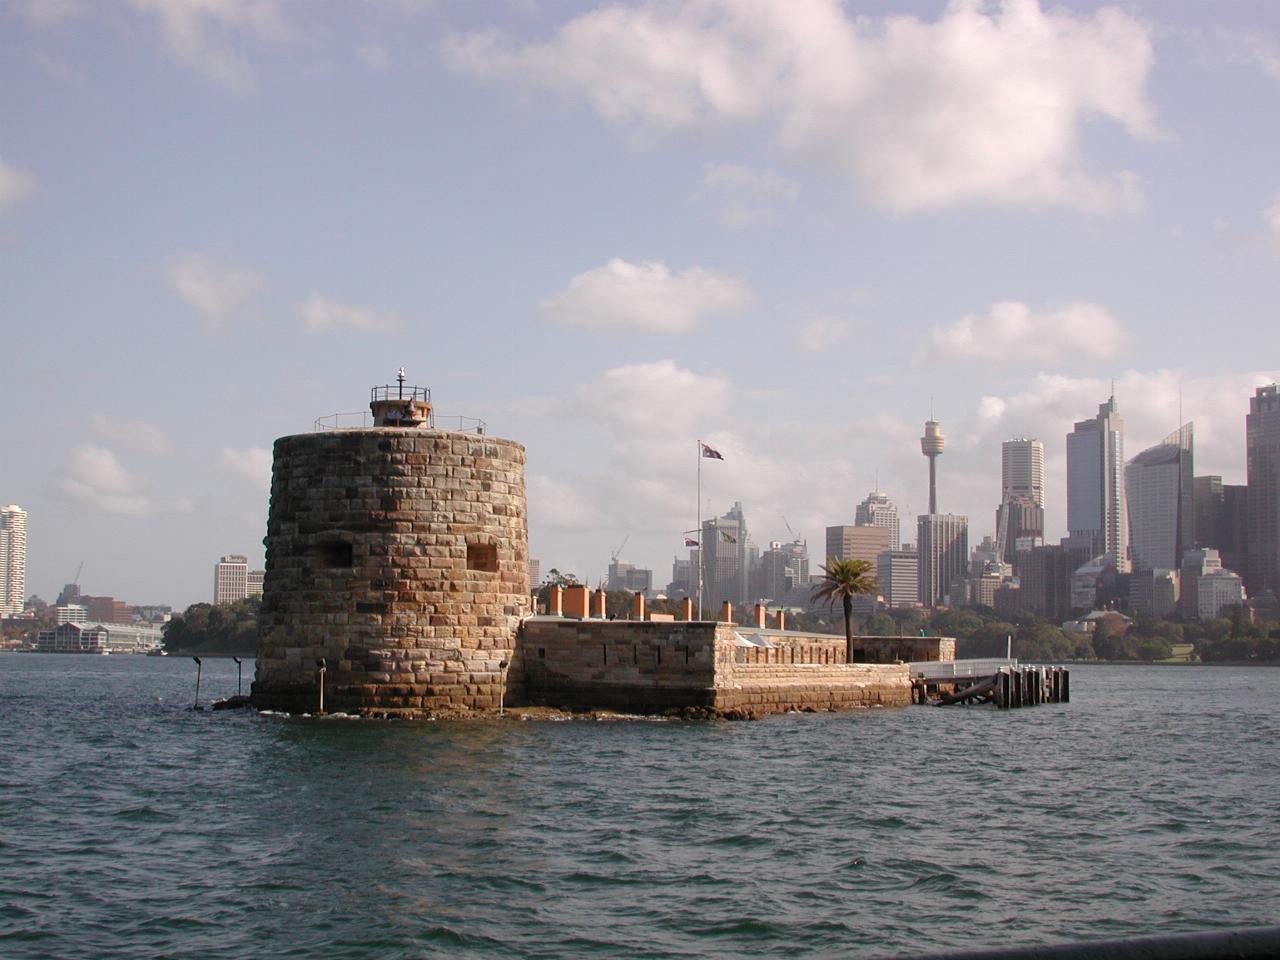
column 1066, row 685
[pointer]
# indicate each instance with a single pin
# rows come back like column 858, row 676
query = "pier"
column 998, row 680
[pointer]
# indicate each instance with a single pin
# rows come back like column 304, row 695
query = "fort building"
column 397, row 581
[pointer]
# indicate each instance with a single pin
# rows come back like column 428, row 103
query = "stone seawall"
column 647, row 667
column 399, row 557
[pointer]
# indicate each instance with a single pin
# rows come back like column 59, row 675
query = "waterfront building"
column 898, row 576
column 1262, row 462
column 90, row 637
column 879, row 511
column 1097, row 511
column 1160, row 494
column 1022, row 470
column 13, row 560
column 70, row 613
column 858, row 542
column 942, row 556
column 1217, row 591
column 230, row 579
column 1196, row 565
column 253, row 583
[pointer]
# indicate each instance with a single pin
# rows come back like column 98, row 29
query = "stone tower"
column 397, row 565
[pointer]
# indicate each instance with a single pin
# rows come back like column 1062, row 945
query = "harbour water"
column 131, row 825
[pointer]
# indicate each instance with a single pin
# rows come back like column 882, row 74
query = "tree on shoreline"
column 843, row 580
column 204, row 628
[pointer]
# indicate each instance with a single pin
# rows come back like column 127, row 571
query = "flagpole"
column 701, row 555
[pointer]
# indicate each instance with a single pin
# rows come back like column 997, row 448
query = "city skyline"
column 220, row 222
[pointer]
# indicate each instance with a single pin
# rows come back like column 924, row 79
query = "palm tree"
column 843, row 580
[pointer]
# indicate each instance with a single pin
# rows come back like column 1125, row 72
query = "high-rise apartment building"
column 942, row 558
column 879, row 511
column 1221, row 519
column 254, row 582
column 1262, row 463
column 535, row 575
column 898, row 576
column 1097, row 512
column 1022, row 470
column 13, row 560
column 858, row 542
column 1160, row 493
column 230, row 579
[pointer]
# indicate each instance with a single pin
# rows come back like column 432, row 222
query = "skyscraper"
column 1022, row 470
column 13, row 560
column 1159, row 488
column 1097, row 513
column 726, row 559
column 1262, row 463
column 898, row 576
column 879, row 511
column 942, row 559
column 230, row 579
column 864, row 543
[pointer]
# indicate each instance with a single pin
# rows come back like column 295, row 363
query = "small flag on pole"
column 711, row 453
column 690, row 542
column 728, row 537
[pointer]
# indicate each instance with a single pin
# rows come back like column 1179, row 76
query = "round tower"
column 396, row 565
column 931, row 445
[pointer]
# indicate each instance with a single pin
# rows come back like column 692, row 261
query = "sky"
column 790, row 229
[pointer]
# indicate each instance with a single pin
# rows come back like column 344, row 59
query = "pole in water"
column 502, row 691
column 199, row 667
column 320, row 675
column 238, row 672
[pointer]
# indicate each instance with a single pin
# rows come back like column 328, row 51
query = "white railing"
column 956, row 669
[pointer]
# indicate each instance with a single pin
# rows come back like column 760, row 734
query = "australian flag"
column 711, row 453
column 690, row 542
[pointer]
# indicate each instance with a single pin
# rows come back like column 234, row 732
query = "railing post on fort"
column 321, row 667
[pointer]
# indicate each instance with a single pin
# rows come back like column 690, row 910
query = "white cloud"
column 321, row 313
column 211, row 36
column 14, row 186
column 645, row 296
column 747, row 196
column 824, row 333
column 137, row 435
column 251, row 463
column 1272, row 219
column 983, row 105
column 653, row 397
column 1011, row 333
column 215, row 289
column 374, row 56
column 96, row 479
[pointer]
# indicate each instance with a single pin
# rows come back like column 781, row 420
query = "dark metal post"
column 239, row 670
column 199, row 667
column 320, row 676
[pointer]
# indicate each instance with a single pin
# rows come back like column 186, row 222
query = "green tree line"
column 230, row 628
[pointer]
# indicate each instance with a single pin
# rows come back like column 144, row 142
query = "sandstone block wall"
column 652, row 666
column 400, row 557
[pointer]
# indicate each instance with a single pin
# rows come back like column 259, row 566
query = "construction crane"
column 614, row 556
column 788, row 525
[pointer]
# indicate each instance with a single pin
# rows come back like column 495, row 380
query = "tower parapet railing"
column 357, row 419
